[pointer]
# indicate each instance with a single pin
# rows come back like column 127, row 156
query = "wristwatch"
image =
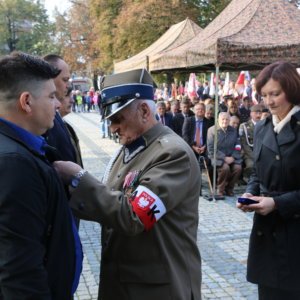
column 76, row 178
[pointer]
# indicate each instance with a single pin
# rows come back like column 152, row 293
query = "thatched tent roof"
column 175, row 36
column 247, row 34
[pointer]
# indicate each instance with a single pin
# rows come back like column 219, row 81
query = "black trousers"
column 268, row 293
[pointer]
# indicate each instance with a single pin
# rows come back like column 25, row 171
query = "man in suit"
column 174, row 108
column 194, row 130
column 59, row 136
column 179, row 118
column 39, row 242
column 162, row 116
column 64, row 109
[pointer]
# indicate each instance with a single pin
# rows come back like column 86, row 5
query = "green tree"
column 105, row 12
column 124, row 28
column 95, row 33
column 24, row 26
column 75, row 35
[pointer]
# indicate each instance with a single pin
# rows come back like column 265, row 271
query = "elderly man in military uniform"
column 246, row 132
column 149, row 221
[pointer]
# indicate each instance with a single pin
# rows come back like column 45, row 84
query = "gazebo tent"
column 247, row 34
column 175, row 36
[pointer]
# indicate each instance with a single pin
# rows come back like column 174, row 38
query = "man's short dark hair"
column 161, row 104
column 185, row 101
column 20, row 71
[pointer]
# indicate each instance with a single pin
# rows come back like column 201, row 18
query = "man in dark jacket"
column 61, row 135
column 58, row 135
column 40, row 253
column 193, row 126
column 162, row 116
column 179, row 118
column 228, row 154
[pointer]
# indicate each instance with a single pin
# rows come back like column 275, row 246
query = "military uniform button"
column 277, row 157
column 119, row 175
column 81, row 206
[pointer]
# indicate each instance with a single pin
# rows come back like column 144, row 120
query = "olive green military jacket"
column 149, row 215
column 246, row 133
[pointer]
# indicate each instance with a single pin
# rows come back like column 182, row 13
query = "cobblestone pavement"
column 223, row 232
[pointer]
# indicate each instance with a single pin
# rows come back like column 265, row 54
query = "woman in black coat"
column 274, row 250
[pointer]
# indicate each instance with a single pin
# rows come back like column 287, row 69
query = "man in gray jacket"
column 149, row 221
column 228, row 159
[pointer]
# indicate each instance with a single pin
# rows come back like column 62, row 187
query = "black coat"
column 274, row 253
column 37, row 243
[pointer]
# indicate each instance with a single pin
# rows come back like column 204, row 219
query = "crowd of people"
column 86, row 101
column 147, row 201
column 193, row 119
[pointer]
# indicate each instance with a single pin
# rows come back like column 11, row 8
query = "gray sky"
column 62, row 5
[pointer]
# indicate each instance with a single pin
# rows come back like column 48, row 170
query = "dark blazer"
column 177, row 123
column 274, row 259
column 63, row 138
column 178, row 120
column 168, row 119
column 36, row 237
column 58, row 137
column 189, row 130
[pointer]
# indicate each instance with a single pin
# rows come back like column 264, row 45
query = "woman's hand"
column 264, row 206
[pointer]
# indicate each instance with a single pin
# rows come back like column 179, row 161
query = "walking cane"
column 212, row 196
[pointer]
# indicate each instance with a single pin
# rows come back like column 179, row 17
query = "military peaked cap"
column 256, row 108
column 119, row 90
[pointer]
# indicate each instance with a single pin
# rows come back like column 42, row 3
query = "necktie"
column 198, row 134
column 162, row 118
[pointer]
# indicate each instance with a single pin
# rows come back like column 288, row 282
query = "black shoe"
column 229, row 194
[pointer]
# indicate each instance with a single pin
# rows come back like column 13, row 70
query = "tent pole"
column 215, row 132
column 147, row 63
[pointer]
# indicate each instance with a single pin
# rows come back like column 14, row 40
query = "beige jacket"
column 163, row 262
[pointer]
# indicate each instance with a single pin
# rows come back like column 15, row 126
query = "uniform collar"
column 141, row 143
